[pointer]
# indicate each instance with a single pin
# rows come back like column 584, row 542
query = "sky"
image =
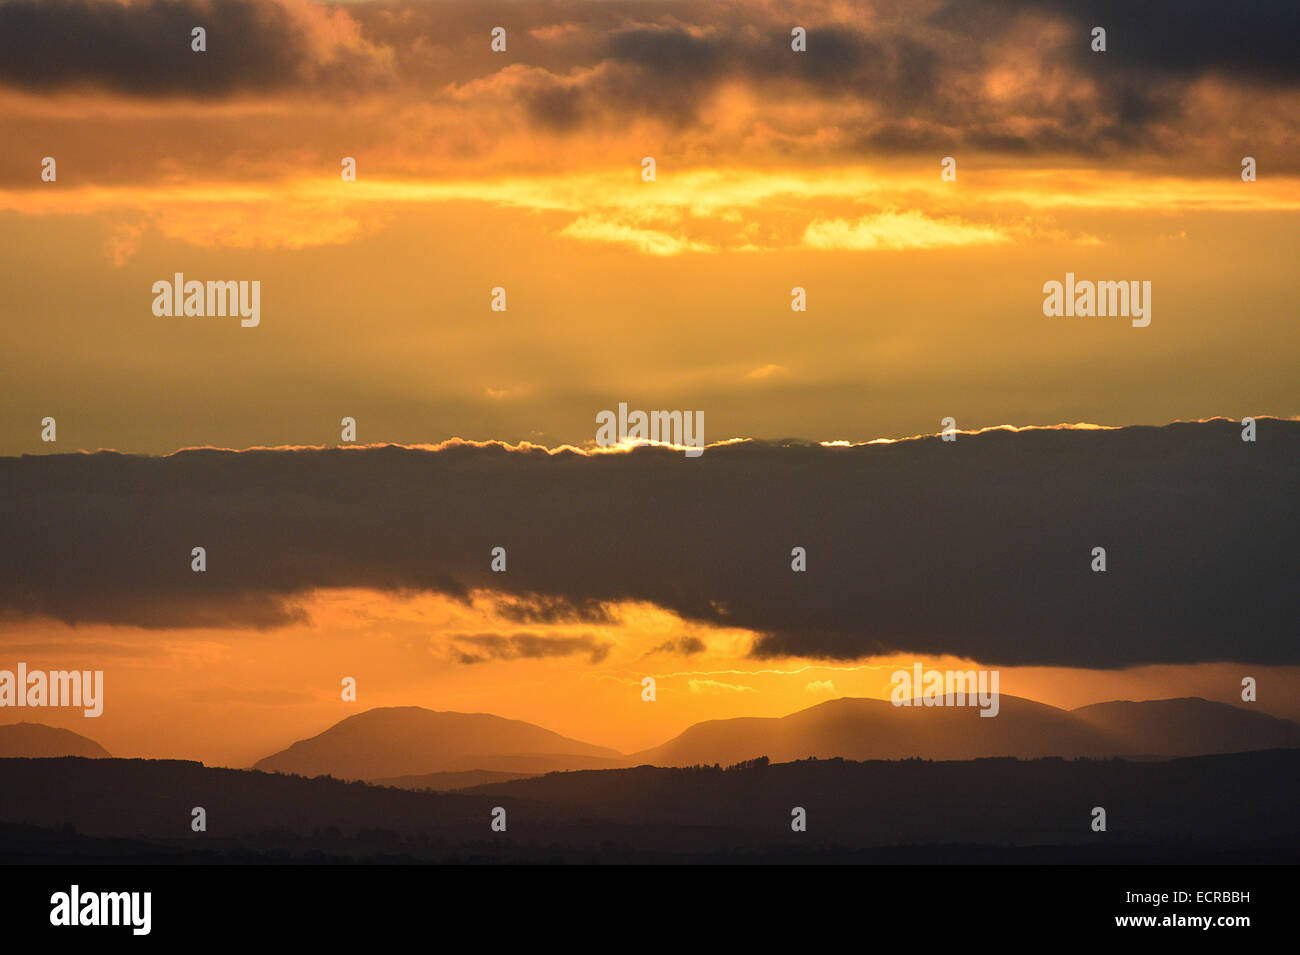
column 523, row 170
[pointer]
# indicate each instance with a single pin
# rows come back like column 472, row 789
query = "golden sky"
column 231, row 697
column 522, row 170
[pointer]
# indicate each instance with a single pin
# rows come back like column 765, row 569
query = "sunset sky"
column 523, row 170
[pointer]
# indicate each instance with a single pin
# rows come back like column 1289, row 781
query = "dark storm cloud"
column 670, row 70
column 671, row 51
column 1154, row 51
column 886, row 65
column 1189, row 38
column 979, row 548
column 923, row 76
column 143, row 48
column 883, row 76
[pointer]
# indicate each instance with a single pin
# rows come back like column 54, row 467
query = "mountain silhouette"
column 37, row 740
column 409, row 740
column 1189, row 726
column 865, row 729
column 414, row 748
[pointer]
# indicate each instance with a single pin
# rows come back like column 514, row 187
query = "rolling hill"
column 37, row 740
column 409, row 740
column 863, row 729
column 414, row 748
column 1188, row 727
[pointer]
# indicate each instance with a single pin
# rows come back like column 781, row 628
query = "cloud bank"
column 1009, row 77
column 979, row 548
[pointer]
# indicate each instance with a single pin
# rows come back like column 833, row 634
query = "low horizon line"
column 626, row 446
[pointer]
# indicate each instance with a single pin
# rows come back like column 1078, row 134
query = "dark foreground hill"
column 1237, row 807
column 449, row 782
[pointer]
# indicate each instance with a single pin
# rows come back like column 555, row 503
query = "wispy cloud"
column 716, row 686
column 899, row 230
column 649, row 241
